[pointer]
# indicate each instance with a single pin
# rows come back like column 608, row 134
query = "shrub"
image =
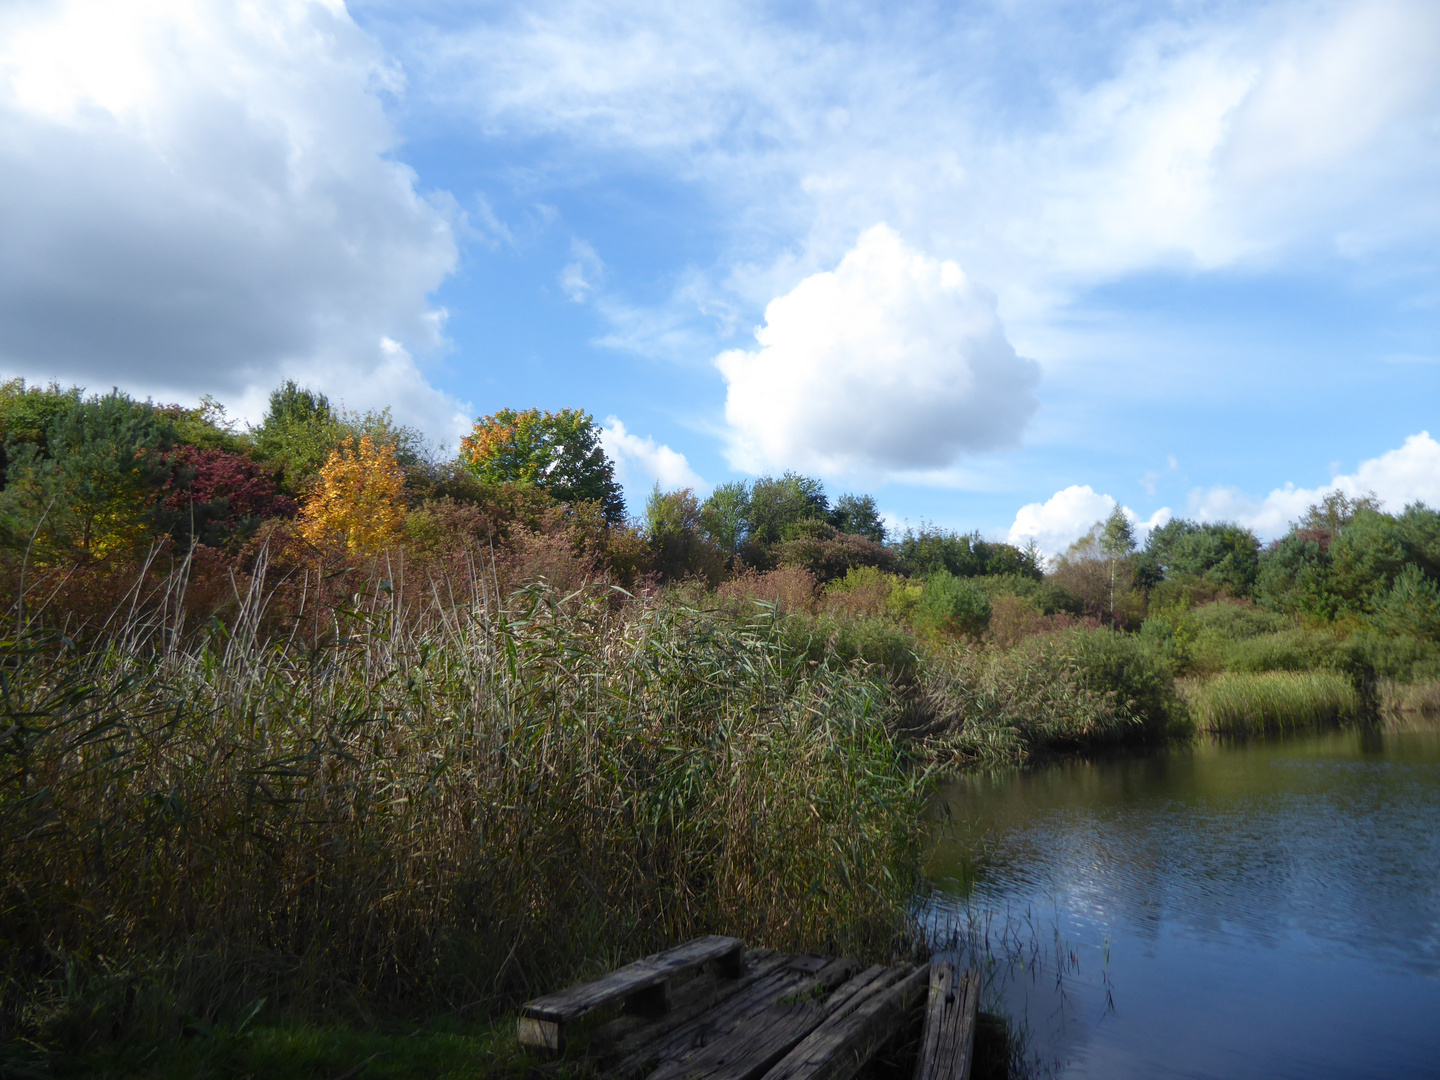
column 1080, row 687
column 951, row 605
column 828, row 553
column 790, row 590
column 864, row 591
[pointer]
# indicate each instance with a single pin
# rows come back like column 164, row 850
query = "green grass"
column 1268, row 702
column 406, row 807
column 434, row 1051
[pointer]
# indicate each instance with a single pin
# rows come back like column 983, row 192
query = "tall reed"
column 427, row 803
column 1275, row 701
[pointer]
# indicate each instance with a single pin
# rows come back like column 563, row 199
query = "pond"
column 1264, row 909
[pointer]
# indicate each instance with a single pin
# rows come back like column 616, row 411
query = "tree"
column 724, row 514
column 778, row 504
column 928, row 549
column 559, row 452
column 859, row 516
column 215, row 495
column 952, row 605
column 1221, row 553
column 1117, row 540
column 359, row 499
column 299, row 432
column 678, row 546
column 93, row 485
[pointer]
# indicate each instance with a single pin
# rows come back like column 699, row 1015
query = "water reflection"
column 1215, row 910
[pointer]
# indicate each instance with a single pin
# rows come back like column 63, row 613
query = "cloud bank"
column 893, row 362
column 1407, row 474
column 203, row 196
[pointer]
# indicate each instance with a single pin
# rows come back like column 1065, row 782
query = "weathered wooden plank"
column 706, row 993
column 642, row 985
column 840, row 1047
column 640, row 975
column 712, row 1024
column 763, row 1038
column 948, row 1043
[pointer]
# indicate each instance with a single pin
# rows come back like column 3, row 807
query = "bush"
column 790, row 590
column 951, row 605
column 829, row 553
column 1081, row 687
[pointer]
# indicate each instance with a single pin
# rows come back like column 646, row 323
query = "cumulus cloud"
column 892, row 362
column 642, row 462
column 1069, row 514
column 203, row 196
column 1407, row 474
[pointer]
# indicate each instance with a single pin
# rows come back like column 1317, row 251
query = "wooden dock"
column 713, row 1010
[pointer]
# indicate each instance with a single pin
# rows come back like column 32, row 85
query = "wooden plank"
column 628, row 1034
column 947, row 1046
column 761, row 1039
column 710, row 1025
column 643, row 985
column 840, row 1047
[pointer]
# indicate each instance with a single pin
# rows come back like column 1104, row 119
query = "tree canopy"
column 559, row 452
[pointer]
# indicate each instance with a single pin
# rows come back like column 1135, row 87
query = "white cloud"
column 640, row 463
column 1410, row 473
column 203, row 196
column 1069, row 514
column 892, row 362
column 1154, row 136
column 583, row 274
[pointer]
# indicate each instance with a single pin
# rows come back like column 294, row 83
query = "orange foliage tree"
column 359, row 499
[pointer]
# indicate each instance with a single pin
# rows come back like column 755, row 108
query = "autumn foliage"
column 359, row 500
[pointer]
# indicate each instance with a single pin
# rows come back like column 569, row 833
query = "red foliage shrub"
column 219, row 477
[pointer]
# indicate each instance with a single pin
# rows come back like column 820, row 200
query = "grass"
column 1418, row 699
column 1271, row 702
column 411, row 807
column 303, row 1052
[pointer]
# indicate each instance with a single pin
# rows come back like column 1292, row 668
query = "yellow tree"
column 359, row 499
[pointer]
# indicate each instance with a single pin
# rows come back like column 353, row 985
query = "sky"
column 1004, row 265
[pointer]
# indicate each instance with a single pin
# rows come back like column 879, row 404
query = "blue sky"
column 1004, row 265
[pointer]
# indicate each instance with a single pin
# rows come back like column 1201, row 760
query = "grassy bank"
column 1271, row 702
column 420, row 808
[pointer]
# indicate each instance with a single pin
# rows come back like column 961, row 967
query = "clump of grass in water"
column 427, row 806
column 1276, row 701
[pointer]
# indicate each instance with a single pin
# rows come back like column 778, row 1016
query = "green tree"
column 1220, row 553
column 858, row 515
column 299, row 432
column 778, row 504
column 93, row 486
column 678, row 545
column 928, row 549
column 724, row 514
column 952, row 605
column 1117, row 540
column 559, row 452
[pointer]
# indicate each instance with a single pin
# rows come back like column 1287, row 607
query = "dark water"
column 1266, row 910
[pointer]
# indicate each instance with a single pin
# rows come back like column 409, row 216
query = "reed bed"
column 427, row 805
column 1271, row 702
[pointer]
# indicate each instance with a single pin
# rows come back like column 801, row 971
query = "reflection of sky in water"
column 1262, row 910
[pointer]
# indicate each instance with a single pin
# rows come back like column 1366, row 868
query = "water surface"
column 1219, row 910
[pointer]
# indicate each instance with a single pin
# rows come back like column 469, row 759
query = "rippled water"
column 1266, row 909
